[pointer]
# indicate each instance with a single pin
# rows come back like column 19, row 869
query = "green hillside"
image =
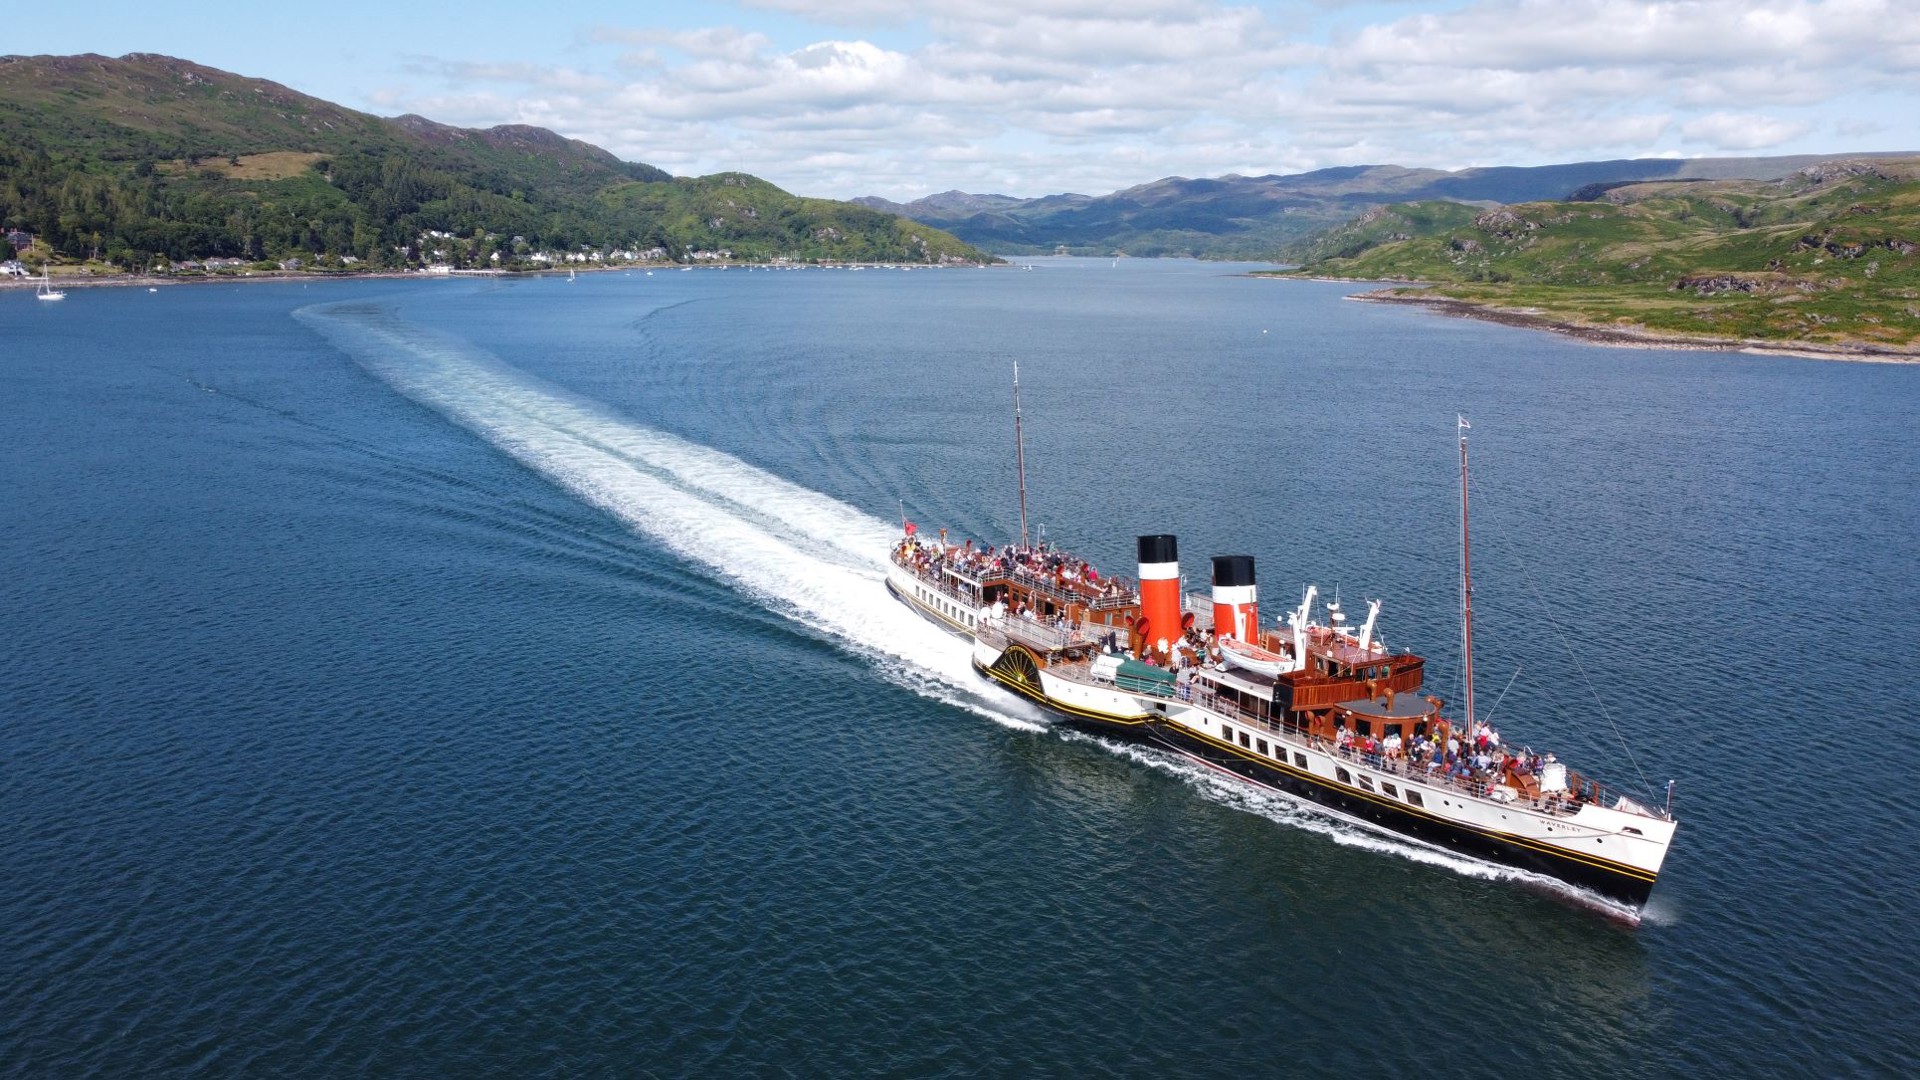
column 1828, row 255
column 1257, row 217
column 147, row 158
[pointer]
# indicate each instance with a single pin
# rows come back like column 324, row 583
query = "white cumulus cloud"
column 849, row 97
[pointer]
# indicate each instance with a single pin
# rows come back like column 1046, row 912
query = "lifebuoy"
column 1140, row 626
column 1186, row 622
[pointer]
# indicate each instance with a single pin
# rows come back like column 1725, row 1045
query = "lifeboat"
column 1252, row 657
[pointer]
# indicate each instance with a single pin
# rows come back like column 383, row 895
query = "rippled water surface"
column 467, row 678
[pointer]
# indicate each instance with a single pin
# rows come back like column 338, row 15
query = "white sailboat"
column 46, row 290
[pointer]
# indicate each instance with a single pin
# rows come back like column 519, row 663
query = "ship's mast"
column 1020, row 453
column 1466, row 580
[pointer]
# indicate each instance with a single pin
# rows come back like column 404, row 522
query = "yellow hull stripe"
column 1034, row 693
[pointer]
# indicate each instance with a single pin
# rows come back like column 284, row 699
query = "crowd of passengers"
column 1040, row 562
column 1478, row 764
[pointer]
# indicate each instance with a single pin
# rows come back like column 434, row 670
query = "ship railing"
column 964, row 597
column 1103, row 594
column 1200, row 606
column 1099, row 597
column 942, row 582
column 1039, row 635
column 1134, row 684
column 1492, row 785
column 1484, row 784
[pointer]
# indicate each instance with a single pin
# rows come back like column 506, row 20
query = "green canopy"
column 1134, row 675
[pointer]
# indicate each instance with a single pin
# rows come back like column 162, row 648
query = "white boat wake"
column 809, row 557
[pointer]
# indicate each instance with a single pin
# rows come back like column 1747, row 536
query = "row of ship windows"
column 952, row 610
column 1300, row 761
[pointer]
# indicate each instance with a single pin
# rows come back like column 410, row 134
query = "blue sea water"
column 455, row 678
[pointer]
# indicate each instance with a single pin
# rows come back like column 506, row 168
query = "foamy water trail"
column 810, row 557
column 806, row 555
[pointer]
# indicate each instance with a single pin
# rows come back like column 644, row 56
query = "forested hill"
column 148, row 158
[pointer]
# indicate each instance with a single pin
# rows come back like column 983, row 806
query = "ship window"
column 1300, row 760
column 1414, row 798
column 1345, row 776
column 1226, row 732
column 1366, row 783
column 1631, row 829
column 1263, row 746
column 1366, row 727
column 1244, row 741
column 1389, row 789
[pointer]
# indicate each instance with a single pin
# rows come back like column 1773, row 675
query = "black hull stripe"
column 1302, row 776
column 1625, row 884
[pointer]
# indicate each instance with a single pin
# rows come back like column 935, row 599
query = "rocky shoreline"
column 96, row 281
column 1621, row 338
column 89, row 281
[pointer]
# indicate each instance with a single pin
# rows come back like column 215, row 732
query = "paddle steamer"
column 1310, row 707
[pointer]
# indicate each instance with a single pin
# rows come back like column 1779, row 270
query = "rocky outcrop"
column 1722, row 284
column 1504, row 224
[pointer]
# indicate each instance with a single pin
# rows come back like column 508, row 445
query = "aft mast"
column 1466, row 579
column 1020, row 453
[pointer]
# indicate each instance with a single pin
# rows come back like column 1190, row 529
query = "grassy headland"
column 1826, row 259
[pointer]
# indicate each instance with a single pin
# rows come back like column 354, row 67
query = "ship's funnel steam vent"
column 1236, row 607
column 1159, row 593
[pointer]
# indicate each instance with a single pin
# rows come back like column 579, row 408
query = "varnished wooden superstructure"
column 1042, row 600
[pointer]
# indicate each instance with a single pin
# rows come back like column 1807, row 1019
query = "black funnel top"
column 1158, row 549
column 1233, row 569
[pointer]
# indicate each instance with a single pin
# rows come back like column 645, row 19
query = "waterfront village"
column 434, row 252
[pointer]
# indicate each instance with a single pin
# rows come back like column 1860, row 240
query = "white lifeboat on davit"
column 1251, row 657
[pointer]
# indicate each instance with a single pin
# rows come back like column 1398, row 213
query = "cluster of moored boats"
column 1309, row 706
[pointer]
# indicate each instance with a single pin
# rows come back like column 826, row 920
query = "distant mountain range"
column 1266, row 216
column 146, row 158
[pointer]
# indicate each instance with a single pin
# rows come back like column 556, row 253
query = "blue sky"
column 1028, row 97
